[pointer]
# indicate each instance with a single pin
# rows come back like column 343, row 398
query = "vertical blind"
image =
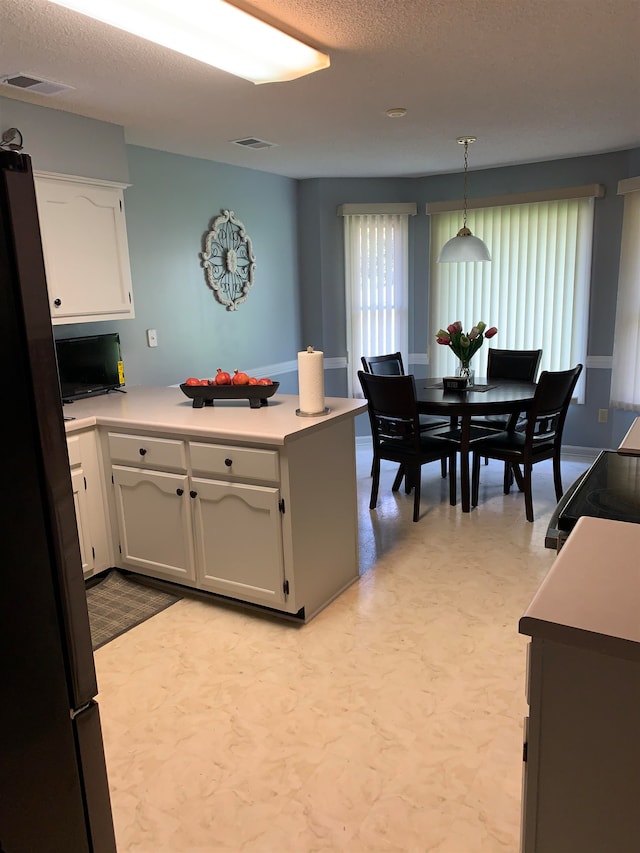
column 377, row 287
column 535, row 290
column 625, row 376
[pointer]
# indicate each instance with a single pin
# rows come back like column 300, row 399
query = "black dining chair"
column 517, row 365
column 541, row 439
column 397, row 436
column 391, row 365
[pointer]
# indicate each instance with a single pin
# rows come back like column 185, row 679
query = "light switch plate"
column 152, row 338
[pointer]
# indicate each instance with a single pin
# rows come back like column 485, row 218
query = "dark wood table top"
column 500, row 397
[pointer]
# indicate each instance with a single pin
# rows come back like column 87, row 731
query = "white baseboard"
column 580, row 454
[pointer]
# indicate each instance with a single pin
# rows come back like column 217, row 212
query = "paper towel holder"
column 322, row 412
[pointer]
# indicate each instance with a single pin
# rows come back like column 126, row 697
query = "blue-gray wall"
column 170, row 206
column 298, row 296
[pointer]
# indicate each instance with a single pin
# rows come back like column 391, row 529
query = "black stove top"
column 609, row 489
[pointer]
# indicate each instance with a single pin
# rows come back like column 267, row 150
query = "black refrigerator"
column 54, row 796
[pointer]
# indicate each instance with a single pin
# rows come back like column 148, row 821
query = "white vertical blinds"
column 535, row 290
column 377, row 288
column 625, row 376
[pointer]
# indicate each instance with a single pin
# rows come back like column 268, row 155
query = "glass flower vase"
column 466, row 372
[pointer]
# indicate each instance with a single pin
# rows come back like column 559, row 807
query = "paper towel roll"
column 311, row 381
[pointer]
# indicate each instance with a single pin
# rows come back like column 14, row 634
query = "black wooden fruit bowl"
column 206, row 395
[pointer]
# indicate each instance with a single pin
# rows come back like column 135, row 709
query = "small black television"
column 89, row 366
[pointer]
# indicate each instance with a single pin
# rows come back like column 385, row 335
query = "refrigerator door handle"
column 73, row 712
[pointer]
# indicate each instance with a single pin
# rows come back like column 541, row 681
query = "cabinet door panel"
column 239, row 541
column 82, row 520
column 85, row 250
column 154, row 522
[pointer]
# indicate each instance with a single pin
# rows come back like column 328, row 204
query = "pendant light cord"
column 466, row 163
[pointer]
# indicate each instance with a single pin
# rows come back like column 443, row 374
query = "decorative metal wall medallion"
column 228, row 260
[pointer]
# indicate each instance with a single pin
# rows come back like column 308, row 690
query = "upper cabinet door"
column 84, row 243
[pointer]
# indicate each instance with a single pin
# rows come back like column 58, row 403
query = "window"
column 377, row 283
column 625, row 376
column 535, row 289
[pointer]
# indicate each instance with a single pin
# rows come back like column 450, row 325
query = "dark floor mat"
column 117, row 604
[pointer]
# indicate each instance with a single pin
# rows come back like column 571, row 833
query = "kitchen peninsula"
column 254, row 504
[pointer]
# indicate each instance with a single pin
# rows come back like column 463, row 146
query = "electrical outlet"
column 603, row 416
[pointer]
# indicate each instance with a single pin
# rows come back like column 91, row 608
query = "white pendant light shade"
column 464, row 246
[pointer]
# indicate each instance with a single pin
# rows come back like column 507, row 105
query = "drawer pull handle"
column 179, row 492
column 193, row 494
column 228, row 462
column 143, row 451
column 57, row 302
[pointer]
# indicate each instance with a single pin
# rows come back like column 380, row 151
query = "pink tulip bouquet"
column 465, row 345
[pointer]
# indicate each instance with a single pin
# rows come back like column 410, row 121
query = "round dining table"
column 484, row 397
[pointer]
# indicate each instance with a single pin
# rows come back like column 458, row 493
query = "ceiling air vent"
column 29, row 83
column 252, row 142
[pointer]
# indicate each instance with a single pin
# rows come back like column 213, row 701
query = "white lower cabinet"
column 581, row 780
column 581, row 784
column 222, row 536
column 274, row 526
column 88, row 497
column 82, row 520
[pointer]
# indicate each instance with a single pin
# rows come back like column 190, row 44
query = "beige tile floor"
column 391, row 722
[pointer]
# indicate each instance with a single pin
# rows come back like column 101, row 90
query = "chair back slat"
column 518, row 365
column 384, row 365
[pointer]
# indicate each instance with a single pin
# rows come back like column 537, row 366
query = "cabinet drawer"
column 242, row 462
column 75, row 451
column 145, row 452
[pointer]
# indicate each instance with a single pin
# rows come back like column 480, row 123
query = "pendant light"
column 464, row 246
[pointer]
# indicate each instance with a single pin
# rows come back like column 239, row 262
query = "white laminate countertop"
column 167, row 410
column 591, row 596
column 630, row 444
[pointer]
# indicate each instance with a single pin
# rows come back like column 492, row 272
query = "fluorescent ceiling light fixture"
column 464, row 246
column 210, row 31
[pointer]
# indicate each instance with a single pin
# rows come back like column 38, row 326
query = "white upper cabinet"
column 84, row 243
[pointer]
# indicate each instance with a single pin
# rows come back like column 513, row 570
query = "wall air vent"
column 29, row 83
column 252, row 142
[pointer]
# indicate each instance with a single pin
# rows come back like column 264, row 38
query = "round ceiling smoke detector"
column 396, row 112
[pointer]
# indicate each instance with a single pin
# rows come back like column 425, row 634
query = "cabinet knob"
column 193, row 494
column 143, row 451
column 179, row 492
column 57, row 302
column 228, row 462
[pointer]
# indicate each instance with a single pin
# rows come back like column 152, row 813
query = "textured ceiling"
column 536, row 80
